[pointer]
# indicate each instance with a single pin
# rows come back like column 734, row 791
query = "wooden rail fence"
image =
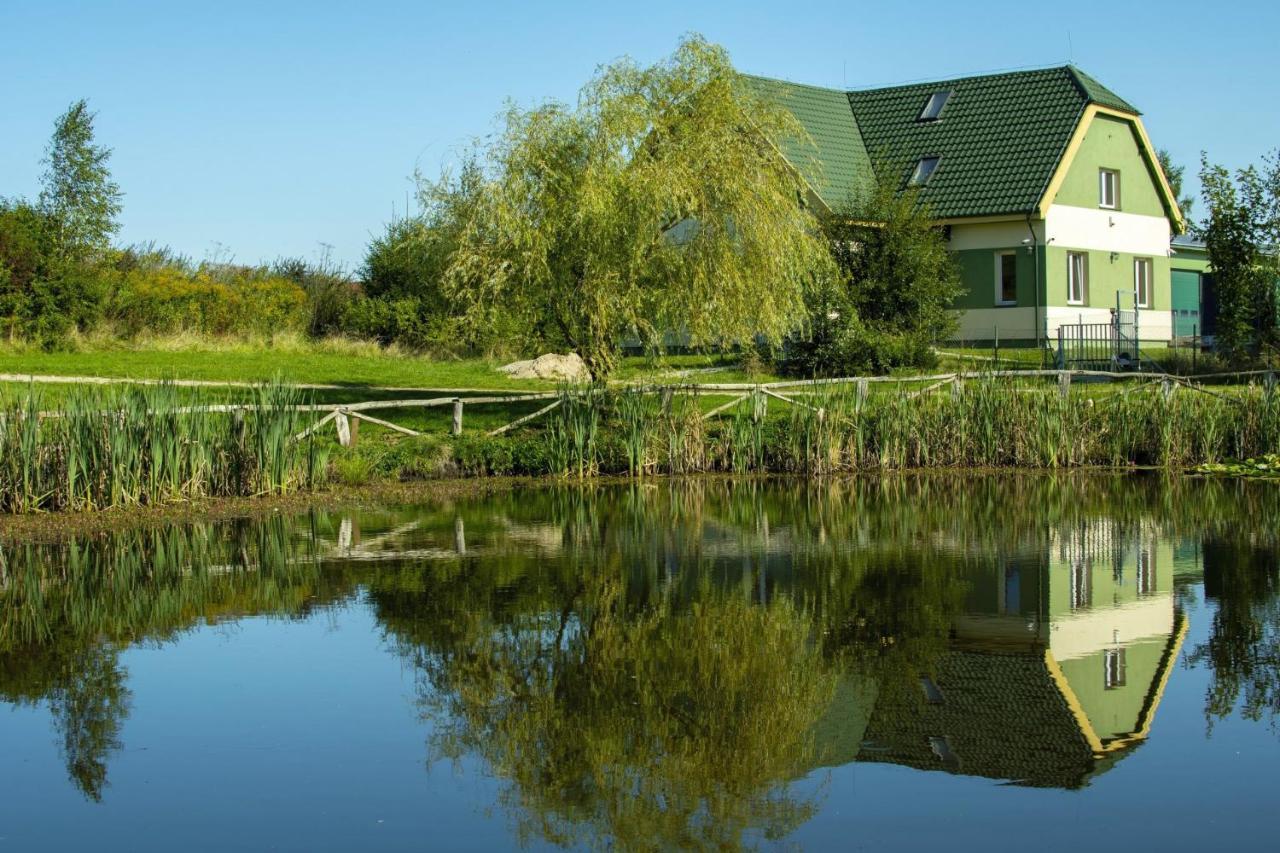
column 347, row 417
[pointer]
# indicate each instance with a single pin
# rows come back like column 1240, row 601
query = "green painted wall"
column 978, row 273
column 1111, row 143
column 1115, row 711
column 1189, row 259
column 1106, row 276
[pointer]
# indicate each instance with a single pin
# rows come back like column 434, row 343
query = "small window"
column 1142, row 282
column 1146, row 573
column 1114, row 668
column 1006, row 278
column 1109, row 189
column 933, row 106
column 1081, row 585
column 924, row 170
column 1077, row 278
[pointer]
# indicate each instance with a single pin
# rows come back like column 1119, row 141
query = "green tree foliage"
column 24, row 252
column 404, row 268
column 1173, row 174
column 657, row 203
column 1242, row 233
column 891, row 302
column 1243, row 647
column 77, row 193
column 329, row 291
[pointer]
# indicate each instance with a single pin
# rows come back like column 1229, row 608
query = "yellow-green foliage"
column 657, row 202
column 222, row 301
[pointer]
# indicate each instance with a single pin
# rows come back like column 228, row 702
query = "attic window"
column 933, row 106
column 923, row 171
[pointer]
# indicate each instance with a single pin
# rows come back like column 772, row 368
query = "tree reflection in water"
column 643, row 665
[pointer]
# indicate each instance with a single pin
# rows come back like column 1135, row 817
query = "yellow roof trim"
column 1073, row 703
column 1171, row 654
column 1144, row 144
column 1148, row 710
column 983, row 220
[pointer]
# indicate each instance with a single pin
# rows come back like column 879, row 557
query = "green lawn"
column 319, row 367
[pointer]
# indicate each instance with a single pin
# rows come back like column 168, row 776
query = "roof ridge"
column 960, row 78
column 827, row 89
column 1095, row 92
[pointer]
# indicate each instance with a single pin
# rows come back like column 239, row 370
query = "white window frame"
column 1141, row 288
column 1115, row 668
column 1114, row 177
column 1083, row 277
column 1000, row 256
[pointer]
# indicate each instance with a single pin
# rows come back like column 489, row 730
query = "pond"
column 959, row 661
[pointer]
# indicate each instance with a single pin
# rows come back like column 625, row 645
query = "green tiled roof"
column 1003, row 718
column 999, row 138
column 1100, row 94
column 833, row 160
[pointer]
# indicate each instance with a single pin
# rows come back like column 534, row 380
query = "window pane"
column 1142, row 281
column 924, row 169
column 1075, row 277
column 1008, row 278
column 1108, row 185
column 933, row 106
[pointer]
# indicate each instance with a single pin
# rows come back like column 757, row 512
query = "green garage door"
column 1185, row 299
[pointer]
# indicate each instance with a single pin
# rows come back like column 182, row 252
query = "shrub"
column 329, row 292
column 216, row 301
column 408, row 321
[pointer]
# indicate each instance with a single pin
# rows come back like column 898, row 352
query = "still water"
column 915, row 663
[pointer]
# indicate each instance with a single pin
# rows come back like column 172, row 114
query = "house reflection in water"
column 1054, row 667
column 1053, row 673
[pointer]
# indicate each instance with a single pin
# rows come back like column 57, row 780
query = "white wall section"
column 1107, row 231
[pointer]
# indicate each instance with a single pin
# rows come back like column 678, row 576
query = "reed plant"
column 637, row 423
column 573, row 431
column 149, row 444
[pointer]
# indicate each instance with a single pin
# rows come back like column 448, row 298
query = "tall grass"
column 983, row 423
column 109, row 447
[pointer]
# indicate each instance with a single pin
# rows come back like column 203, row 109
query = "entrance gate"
column 1103, row 346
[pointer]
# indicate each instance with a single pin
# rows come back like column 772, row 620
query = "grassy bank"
column 139, row 445
column 982, row 424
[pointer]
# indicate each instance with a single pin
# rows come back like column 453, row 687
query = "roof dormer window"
column 924, row 169
column 933, row 107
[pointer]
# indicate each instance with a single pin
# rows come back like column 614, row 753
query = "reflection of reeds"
column 150, row 583
column 145, row 445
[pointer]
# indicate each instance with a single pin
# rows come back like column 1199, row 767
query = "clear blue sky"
column 270, row 128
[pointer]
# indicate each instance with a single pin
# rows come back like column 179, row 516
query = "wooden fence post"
column 862, row 392
column 456, row 429
column 238, row 426
column 1064, row 384
column 1166, row 389
column 346, row 435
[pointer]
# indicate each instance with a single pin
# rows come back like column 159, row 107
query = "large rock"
column 559, row 368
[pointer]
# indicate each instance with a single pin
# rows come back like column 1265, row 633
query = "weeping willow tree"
column 658, row 203
column 669, row 727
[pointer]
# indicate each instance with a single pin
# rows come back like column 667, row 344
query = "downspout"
column 1035, row 269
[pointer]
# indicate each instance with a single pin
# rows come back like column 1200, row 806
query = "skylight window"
column 933, row 106
column 924, row 170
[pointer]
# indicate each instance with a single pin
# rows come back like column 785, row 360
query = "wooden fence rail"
column 347, row 416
